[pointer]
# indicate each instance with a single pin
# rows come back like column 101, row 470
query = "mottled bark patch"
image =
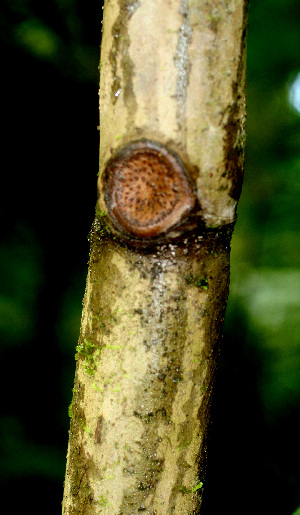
column 79, row 499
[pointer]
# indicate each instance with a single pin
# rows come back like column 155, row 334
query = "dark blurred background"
column 49, row 114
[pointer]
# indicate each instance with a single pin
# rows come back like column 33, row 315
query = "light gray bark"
column 172, row 72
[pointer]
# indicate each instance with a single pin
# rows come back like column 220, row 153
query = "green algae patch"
column 185, row 490
column 88, row 352
column 196, row 280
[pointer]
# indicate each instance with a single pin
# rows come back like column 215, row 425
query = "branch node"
column 147, row 190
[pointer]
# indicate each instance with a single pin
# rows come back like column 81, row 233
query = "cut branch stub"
column 147, row 190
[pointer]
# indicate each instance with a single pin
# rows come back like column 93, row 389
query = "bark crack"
column 183, row 66
column 122, row 84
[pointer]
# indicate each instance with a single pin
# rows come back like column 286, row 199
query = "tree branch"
column 172, row 114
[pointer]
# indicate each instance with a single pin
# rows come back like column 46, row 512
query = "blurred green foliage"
column 50, row 147
column 21, row 277
column 38, row 39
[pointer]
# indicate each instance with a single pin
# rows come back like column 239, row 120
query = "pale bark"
column 172, row 72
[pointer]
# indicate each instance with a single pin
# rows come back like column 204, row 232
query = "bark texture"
column 173, row 71
column 172, row 74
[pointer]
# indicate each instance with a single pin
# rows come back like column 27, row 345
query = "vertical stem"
column 172, row 114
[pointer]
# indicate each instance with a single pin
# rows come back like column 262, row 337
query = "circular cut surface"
column 147, row 190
